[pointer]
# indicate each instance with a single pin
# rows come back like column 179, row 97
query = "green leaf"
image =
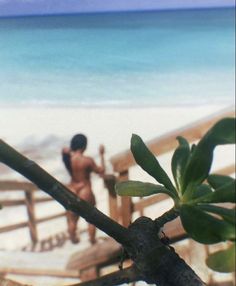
column 203, row 227
column 201, row 191
column 193, row 147
column 218, row 181
column 226, row 213
column 140, row 189
column 148, row 162
column 223, row 260
column 223, row 132
column 225, row 194
column 179, row 161
column 198, row 167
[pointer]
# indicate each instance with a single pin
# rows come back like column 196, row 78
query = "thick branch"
column 154, row 261
column 127, row 275
column 158, row 263
column 166, row 217
column 59, row 192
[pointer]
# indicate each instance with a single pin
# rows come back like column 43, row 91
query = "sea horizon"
column 121, row 59
column 116, row 12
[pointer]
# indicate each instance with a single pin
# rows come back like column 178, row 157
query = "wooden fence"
column 122, row 209
column 29, row 202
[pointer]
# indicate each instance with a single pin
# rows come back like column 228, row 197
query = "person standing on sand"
column 80, row 168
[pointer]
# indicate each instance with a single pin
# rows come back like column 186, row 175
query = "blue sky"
column 19, row 7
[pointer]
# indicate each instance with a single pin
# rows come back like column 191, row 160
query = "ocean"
column 158, row 58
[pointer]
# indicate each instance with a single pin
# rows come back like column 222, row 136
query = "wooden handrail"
column 123, row 161
column 15, row 226
column 20, row 202
column 10, row 185
column 29, row 202
column 165, row 143
column 51, row 217
column 228, row 170
column 40, row 272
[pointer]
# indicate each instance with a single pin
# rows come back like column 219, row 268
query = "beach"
column 106, row 75
column 41, row 133
column 113, row 127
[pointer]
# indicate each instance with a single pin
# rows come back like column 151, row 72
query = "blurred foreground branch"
column 154, row 262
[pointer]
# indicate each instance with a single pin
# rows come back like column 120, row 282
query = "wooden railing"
column 29, row 202
column 122, row 209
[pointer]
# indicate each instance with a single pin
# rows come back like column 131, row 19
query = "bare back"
column 82, row 167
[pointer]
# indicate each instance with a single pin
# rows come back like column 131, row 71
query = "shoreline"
column 41, row 133
column 112, row 105
column 20, row 122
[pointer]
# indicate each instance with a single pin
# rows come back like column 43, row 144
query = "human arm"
column 66, row 159
column 95, row 168
column 101, row 153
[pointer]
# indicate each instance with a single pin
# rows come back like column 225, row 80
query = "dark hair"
column 78, row 141
column 66, row 160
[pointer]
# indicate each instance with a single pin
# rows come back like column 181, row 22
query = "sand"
column 110, row 126
column 40, row 133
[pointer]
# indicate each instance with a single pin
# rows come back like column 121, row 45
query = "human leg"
column 72, row 221
column 92, row 233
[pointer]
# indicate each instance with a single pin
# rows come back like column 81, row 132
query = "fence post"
column 29, row 202
column 126, row 202
column 109, row 182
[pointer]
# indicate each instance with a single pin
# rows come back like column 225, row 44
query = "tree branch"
column 166, row 217
column 154, row 261
column 158, row 263
column 61, row 193
column 128, row 275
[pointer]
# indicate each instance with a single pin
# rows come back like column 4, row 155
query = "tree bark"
column 158, row 263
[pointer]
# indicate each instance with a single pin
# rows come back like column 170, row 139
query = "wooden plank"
column 90, row 273
column 140, row 205
column 174, row 230
column 25, row 224
column 40, row 272
column 10, row 185
column 228, row 170
column 13, row 227
column 29, row 202
column 126, row 211
column 113, row 208
column 126, row 202
column 7, row 282
column 51, row 217
column 167, row 142
column 109, row 182
column 221, row 283
column 99, row 254
column 13, row 203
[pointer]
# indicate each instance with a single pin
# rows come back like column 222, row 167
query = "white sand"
column 112, row 127
column 42, row 132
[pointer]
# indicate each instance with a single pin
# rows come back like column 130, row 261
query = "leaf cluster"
column 198, row 195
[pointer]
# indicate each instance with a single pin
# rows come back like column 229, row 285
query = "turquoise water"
column 118, row 59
